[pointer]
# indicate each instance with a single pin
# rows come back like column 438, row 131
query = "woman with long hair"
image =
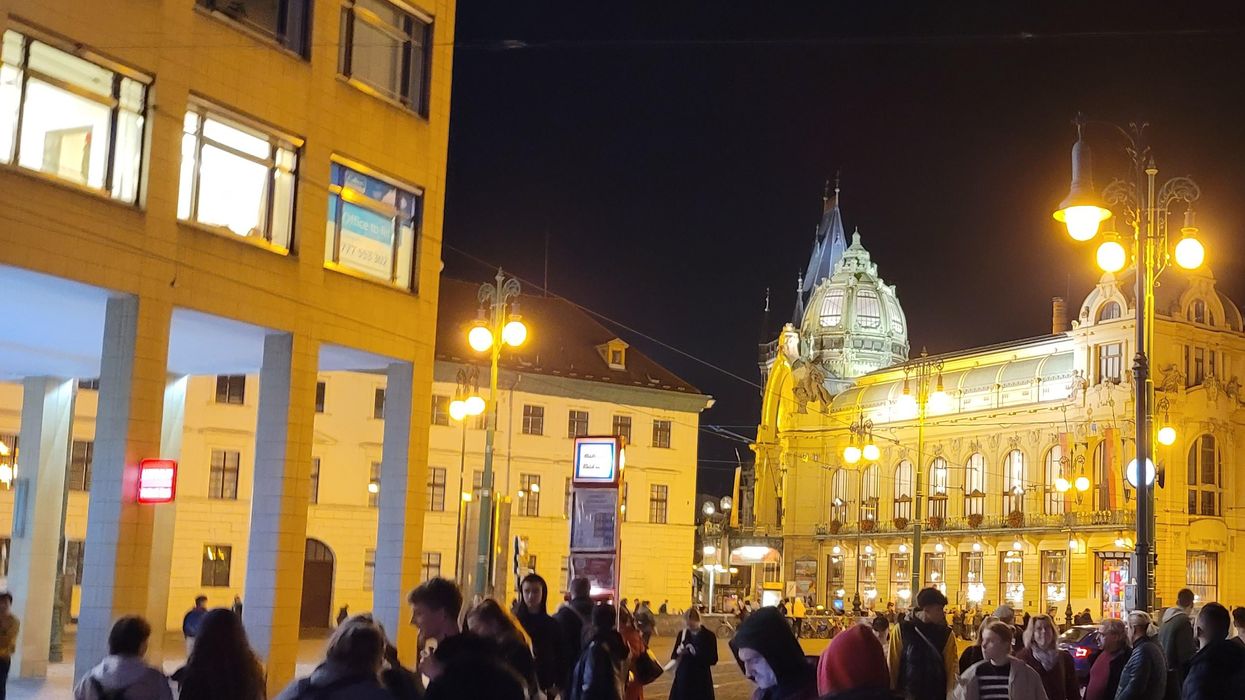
column 351, row 667
column 1055, row 666
column 222, row 665
column 695, row 650
column 601, row 672
column 634, row 640
column 491, row 621
column 973, row 653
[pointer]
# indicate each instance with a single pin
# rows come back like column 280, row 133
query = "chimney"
column 1058, row 316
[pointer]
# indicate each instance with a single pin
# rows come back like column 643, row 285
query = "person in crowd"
column 543, row 630
column 1084, row 618
column 979, row 618
column 1054, row 666
column 9, row 625
column 973, row 653
column 923, row 654
column 957, row 623
column 1007, row 615
column 477, row 678
column 999, row 676
column 1145, row 673
column 881, row 629
column 1176, row 638
column 222, row 665
column 891, row 615
column 634, row 687
column 1104, row 675
column 645, row 621
column 237, row 606
column 696, row 652
column 601, row 671
column 1217, row 670
column 664, row 609
column 854, row 666
column 351, row 668
column 435, row 606
column 575, row 619
column 490, row 621
column 770, row 656
column 123, row 673
column 1238, row 624
column 191, row 622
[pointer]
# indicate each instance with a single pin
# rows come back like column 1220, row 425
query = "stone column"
column 120, row 556
column 47, row 423
column 164, row 520
column 282, row 487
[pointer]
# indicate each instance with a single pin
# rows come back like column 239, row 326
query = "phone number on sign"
column 363, row 255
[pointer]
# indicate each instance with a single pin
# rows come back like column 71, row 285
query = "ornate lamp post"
column 496, row 325
column 927, row 373
column 1146, row 206
column 466, row 403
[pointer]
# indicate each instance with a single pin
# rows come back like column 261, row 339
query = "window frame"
column 225, row 470
column 1202, row 491
column 621, row 425
column 576, row 423
column 1014, row 471
column 417, row 97
column 435, row 501
column 1210, row 562
column 533, row 419
column 659, row 503
column 429, row 565
column 1054, row 503
column 903, row 508
column 344, row 195
column 210, row 577
column 870, row 484
column 440, row 409
column 378, row 403
column 314, row 497
column 321, row 395
column 233, row 391
column 78, row 478
column 662, row 433
column 373, row 497
column 529, row 504
column 1109, row 365
column 298, row 43
column 975, row 485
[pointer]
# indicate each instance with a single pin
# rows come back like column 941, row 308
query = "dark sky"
column 676, row 159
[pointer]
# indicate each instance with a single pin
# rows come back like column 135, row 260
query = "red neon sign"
column 157, row 480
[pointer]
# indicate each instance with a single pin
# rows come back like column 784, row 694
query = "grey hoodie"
column 131, row 673
column 340, row 684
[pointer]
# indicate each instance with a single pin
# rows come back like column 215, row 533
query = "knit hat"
column 854, row 660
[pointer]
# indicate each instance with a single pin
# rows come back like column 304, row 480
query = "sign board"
column 596, row 533
column 601, row 570
column 157, row 480
column 598, row 460
column 594, row 520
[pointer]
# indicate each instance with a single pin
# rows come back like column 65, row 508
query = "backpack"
column 102, row 693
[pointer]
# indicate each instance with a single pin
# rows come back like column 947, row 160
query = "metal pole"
column 922, row 381
column 712, row 575
column 495, row 319
column 1142, row 384
column 458, row 527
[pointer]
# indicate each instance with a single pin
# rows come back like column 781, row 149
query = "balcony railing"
column 1079, row 520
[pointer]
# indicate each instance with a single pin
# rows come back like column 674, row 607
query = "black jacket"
column 1217, row 672
column 1145, row 675
column 601, row 672
column 693, row 677
column 922, row 659
column 574, row 619
column 548, row 646
column 766, row 631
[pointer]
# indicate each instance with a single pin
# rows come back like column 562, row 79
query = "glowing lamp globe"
column 514, row 333
column 474, row 405
column 1167, row 436
column 871, row 452
column 1062, row 485
column 1082, row 221
column 1082, row 483
column 458, row 409
column 1072, row 544
column 939, row 401
column 480, row 338
column 851, row 454
column 1130, row 473
column 1111, row 255
column 1189, row 252
column 903, row 549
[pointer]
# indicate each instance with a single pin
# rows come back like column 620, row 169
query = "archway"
column 317, row 585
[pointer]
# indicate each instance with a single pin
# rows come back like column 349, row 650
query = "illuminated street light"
column 514, row 333
column 1062, row 485
column 480, row 338
column 458, row 409
column 1190, row 253
column 708, row 508
column 1111, row 254
column 474, row 405
column 1082, row 484
column 851, row 454
column 871, row 452
column 1130, row 473
column 1167, row 436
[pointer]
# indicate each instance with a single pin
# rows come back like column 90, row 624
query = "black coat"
column 693, row 677
column 1145, row 674
column 548, row 644
column 601, row 672
column 1216, row 672
column 574, row 619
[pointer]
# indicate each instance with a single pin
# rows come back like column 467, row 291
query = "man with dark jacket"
column 1145, row 675
column 924, row 660
column 546, row 634
column 575, row 620
column 1217, row 670
column 1176, row 638
column 769, row 655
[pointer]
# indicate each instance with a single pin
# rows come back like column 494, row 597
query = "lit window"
column 237, row 177
column 386, row 47
column 1202, row 575
column 285, row 21
column 975, row 485
column 72, row 118
column 896, row 316
column 217, row 559
column 832, row 307
column 869, row 493
column 529, row 502
column 1205, row 476
column 868, row 308
column 1109, row 311
column 903, row 490
column 1054, row 577
column 839, row 496
column 373, row 485
column 938, row 488
column 372, row 225
column 1054, row 471
column 1014, row 482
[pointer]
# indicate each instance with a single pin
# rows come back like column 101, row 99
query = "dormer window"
column 1109, row 311
column 1197, row 311
column 614, row 353
column 832, row 308
column 868, row 309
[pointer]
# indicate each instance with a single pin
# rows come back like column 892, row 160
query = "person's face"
column 935, row 613
column 995, row 647
column 884, row 636
column 532, row 594
column 757, row 669
column 430, row 620
column 200, row 604
column 693, row 624
column 1043, row 635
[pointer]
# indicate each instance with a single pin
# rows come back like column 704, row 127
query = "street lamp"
column 466, row 403
column 1146, row 207
column 861, row 444
column 929, row 395
column 497, row 320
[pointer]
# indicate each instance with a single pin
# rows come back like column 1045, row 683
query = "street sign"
column 157, row 480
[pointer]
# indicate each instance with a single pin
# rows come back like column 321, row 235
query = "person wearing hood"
column 601, row 672
column 123, row 673
column 924, row 659
column 1176, row 639
column 1217, row 670
column 546, row 635
column 853, row 667
column 999, row 676
column 1145, row 674
column 696, row 651
column 769, row 655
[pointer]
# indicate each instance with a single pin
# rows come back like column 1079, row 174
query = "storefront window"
column 1202, row 576
column 835, row 590
column 1012, row 576
column 1054, row 578
column 901, row 579
column 972, row 581
column 935, row 570
column 1113, row 576
column 867, row 578
column 372, row 225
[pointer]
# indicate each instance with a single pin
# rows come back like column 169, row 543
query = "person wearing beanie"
column 769, row 655
column 924, row 660
column 853, row 667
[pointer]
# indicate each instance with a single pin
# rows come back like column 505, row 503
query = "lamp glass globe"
column 480, row 338
column 851, row 454
column 1112, row 256
column 1167, row 436
column 458, row 409
column 871, row 452
column 474, row 404
column 514, row 333
column 1190, row 253
column 1082, row 221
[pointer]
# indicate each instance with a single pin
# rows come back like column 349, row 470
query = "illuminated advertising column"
column 595, row 500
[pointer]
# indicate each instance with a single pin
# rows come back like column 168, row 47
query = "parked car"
column 1084, row 643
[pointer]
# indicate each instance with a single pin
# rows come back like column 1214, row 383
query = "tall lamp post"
column 466, row 403
column 497, row 324
column 927, row 373
column 1146, row 207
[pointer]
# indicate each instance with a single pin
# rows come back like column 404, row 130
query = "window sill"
column 349, row 272
column 44, row 178
column 260, row 37
column 387, row 99
column 222, row 232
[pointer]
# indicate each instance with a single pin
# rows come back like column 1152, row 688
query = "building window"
column 231, row 389
column 75, row 555
column 832, row 307
column 1014, row 482
column 378, row 404
column 237, row 177
column 622, row 428
column 1053, row 472
column 868, row 308
column 936, row 571
column 1110, row 362
column 373, row 485
column 1109, row 311
column 217, row 559
column 903, row 491
column 1199, row 363
column 283, row 21
column 1012, row 576
column 369, row 569
column 430, row 565
column 436, row 490
column 972, row 580
column 315, row 480
column 80, row 458
column 576, row 424
column 88, row 384
column 1054, row 577
column 658, row 503
column 661, row 433
column 835, row 583
column 1205, row 476
column 533, row 420
column 387, row 49
column 73, row 119
column 867, row 577
column 440, row 410
column 1197, row 311
column 372, row 225
column 869, row 493
column 529, row 495
column 1202, row 575
column 896, row 316
column 320, row 389
column 566, row 499
column 901, row 578
column 938, row 489
column 223, row 478
column 975, row 485
column 839, row 506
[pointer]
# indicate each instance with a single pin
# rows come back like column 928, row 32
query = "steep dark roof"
column 563, row 340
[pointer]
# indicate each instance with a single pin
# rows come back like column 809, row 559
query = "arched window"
column 1052, row 472
column 869, row 493
column 868, row 308
column 1197, row 311
column 1109, row 483
column 975, row 485
column 938, row 488
column 1109, row 311
column 1014, row 482
column 1205, row 476
column 903, row 490
column 832, row 307
column 896, row 316
column 839, row 505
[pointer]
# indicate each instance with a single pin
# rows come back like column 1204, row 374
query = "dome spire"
column 798, row 317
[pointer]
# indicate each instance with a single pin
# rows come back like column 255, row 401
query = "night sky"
column 674, row 159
